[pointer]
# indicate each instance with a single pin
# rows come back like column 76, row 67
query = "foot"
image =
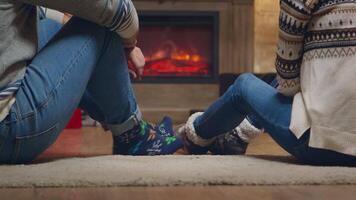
column 193, row 143
column 236, row 141
column 165, row 127
column 144, row 140
column 189, row 146
column 228, row 144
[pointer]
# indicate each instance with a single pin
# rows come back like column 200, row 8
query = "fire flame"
column 169, row 50
column 168, row 59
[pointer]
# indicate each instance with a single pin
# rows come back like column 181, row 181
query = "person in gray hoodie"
column 45, row 74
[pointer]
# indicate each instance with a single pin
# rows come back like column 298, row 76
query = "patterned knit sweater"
column 316, row 63
column 18, row 33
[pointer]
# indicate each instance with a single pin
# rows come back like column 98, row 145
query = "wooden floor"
column 93, row 142
column 185, row 193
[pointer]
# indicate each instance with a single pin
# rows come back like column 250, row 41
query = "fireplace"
column 188, row 44
column 179, row 47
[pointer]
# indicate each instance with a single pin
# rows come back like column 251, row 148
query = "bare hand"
column 138, row 60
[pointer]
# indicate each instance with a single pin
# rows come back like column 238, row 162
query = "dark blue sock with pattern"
column 144, row 140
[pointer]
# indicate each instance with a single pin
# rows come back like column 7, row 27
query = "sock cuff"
column 246, row 131
column 192, row 135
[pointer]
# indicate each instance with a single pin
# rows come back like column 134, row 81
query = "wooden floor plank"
column 186, row 193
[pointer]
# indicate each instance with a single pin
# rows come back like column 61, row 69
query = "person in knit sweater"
column 311, row 113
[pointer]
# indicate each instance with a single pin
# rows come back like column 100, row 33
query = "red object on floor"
column 76, row 121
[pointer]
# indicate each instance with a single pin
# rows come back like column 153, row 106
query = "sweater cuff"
column 288, row 87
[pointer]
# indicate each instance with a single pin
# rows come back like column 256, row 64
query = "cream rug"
column 171, row 171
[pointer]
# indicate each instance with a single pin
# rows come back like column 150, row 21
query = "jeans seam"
column 68, row 70
column 19, row 141
column 54, row 126
column 43, row 104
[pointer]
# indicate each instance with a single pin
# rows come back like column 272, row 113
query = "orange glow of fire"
column 182, row 56
column 169, row 50
column 187, row 57
column 170, row 60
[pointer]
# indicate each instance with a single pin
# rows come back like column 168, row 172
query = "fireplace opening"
column 179, row 47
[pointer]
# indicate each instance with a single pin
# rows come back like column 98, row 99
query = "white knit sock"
column 189, row 130
column 247, row 131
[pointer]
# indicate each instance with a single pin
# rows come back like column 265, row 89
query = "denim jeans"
column 82, row 64
column 250, row 96
column 252, row 118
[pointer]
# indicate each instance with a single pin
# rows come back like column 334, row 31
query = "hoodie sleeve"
column 117, row 15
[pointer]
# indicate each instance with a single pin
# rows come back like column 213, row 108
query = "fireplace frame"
column 214, row 17
column 236, row 55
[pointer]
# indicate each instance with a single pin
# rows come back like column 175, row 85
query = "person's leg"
column 95, row 96
column 47, row 29
column 252, row 119
column 247, row 96
column 235, row 142
column 55, row 82
column 109, row 99
column 251, row 96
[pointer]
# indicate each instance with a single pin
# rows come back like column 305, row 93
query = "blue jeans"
column 82, row 65
column 250, row 96
column 252, row 118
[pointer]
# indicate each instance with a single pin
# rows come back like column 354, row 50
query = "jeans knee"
column 235, row 91
column 242, row 78
column 241, row 81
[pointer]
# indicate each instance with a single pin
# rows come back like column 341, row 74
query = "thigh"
column 58, row 75
column 53, row 85
column 249, row 96
column 47, row 29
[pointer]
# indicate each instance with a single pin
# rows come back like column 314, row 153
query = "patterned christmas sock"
column 144, row 140
column 165, row 127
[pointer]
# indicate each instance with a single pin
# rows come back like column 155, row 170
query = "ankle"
column 133, row 122
column 192, row 135
column 247, row 132
column 144, row 140
column 124, row 142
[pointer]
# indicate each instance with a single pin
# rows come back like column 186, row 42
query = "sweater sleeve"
column 117, row 15
column 293, row 24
